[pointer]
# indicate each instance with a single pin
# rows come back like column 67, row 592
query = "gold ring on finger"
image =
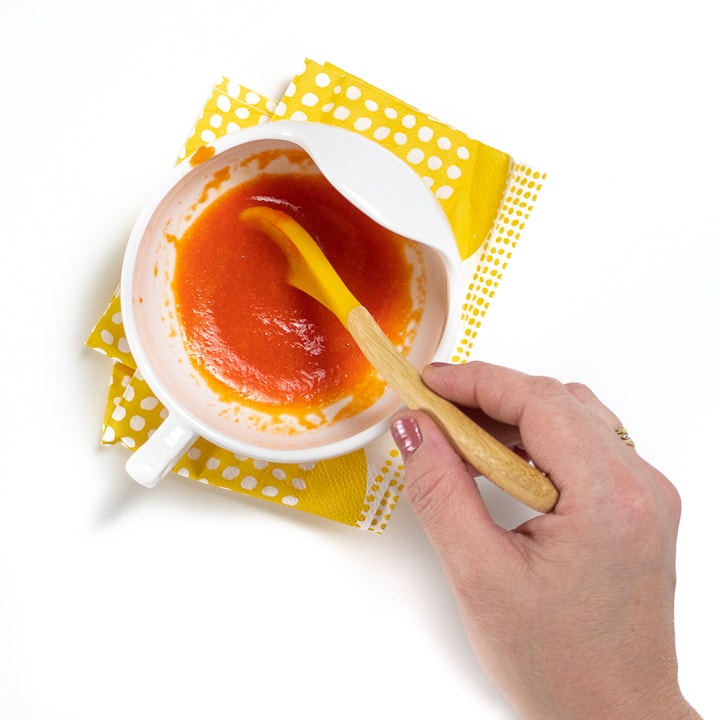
column 622, row 433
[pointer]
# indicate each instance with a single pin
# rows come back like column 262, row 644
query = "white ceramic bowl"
column 374, row 180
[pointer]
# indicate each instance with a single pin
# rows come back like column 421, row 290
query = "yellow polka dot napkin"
column 488, row 198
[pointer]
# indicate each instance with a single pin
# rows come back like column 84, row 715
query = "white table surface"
column 183, row 602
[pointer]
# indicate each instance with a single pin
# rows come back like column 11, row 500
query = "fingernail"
column 439, row 364
column 407, row 435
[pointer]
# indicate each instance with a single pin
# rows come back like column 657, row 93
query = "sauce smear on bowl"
column 256, row 339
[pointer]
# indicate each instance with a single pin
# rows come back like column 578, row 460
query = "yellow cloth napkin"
column 487, row 197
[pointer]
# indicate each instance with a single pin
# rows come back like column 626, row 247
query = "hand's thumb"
column 442, row 490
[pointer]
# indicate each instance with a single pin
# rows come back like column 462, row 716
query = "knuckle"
column 580, row 391
column 648, row 505
column 668, row 499
column 428, row 489
column 545, row 392
column 545, row 387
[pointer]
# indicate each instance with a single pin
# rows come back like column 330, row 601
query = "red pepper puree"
column 256, row 339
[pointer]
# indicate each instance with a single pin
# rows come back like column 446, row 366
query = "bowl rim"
column 281, row 131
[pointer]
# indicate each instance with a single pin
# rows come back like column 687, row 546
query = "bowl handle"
column 151, row 462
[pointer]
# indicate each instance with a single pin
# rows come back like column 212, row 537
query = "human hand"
column 572, row 613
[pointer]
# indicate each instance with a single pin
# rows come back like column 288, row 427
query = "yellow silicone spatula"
column 310, row 271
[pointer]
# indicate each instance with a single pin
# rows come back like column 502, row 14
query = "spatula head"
column 308, row 268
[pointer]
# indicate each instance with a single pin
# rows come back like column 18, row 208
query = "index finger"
column 567, row 432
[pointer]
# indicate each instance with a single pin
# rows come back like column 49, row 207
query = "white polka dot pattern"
column 487, row 198
column 436, row 153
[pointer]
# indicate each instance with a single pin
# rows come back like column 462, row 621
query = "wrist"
column 660, row 707
column 662, row 703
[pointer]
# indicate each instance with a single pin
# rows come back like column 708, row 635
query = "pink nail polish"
column 407, row 435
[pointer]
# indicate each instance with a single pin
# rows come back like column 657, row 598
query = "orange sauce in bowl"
column 257, row 340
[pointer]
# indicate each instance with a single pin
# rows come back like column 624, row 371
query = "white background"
column 183, row 602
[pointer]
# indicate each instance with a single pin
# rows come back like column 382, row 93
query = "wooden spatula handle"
column 489, row 456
